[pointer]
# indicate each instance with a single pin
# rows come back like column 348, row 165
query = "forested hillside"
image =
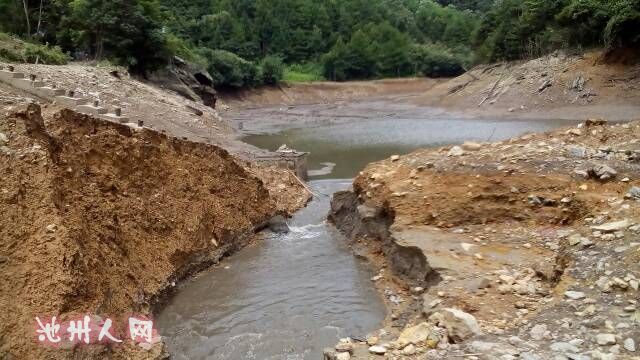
column 249, row 42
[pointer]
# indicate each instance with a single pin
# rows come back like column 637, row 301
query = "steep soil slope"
column 102, row 219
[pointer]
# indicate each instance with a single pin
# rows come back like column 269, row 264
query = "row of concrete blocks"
column 67, row 99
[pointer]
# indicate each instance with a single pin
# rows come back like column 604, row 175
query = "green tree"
column 127, row 31
column 272, row 69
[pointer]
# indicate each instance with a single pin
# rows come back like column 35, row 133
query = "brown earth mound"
column 98, row 218
column 522, row 235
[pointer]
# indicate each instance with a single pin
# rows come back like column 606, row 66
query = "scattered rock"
column 605, row 339
column 604, row 284
column 574, row 295
column 634, row 193
column 577, row 151
column 372, row 340
column 545, row 84
column 417, row 290
column 602, row 172
column 395, row 157
column 278, row 224
column 378, row 350
column 459, row 324
column 330, row 354
column 564, row 347
column 471, row 146
column 409, row 350
column 576, row 132
column 629, row 345
column 578, row 83
column 456, row 151
column 194, row 110
column 538, row 332
column 612, row 226
column 3, row 139
column 416, row 335
column 344, row 347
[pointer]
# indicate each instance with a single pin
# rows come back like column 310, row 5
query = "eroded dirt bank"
column 103, row 219
column 525, row 248
column 323, row 92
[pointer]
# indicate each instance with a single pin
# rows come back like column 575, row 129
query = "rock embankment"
column 555, row 86
column 521, row 249
column 104, row 219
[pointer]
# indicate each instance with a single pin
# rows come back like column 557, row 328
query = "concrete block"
column 25, row 84
column 49, row 92
column 92, row 110
column 116, row 118
column 71, row 102
column 5, row 76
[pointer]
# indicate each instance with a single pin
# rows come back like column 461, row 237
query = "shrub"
column 45, row 55
column 228, row 70
column 434, row 60
column 272, row 70
column 179, row 47
column 304, row 72
column 623, row 28
column 14, row 49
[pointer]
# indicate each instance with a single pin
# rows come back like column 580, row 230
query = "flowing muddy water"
column 293, row 294
column 286, row 297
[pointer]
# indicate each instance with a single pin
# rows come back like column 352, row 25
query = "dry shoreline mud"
column 525, row 248
column 324, row 92
column 557, row 86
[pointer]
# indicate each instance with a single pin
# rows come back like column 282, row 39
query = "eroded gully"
column 291, row 295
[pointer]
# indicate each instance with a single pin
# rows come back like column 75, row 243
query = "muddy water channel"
column 293, row 294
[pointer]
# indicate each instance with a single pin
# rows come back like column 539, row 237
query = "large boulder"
column 187, row 79
column 459, row 324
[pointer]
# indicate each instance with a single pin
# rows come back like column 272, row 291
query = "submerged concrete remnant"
column 291, row 159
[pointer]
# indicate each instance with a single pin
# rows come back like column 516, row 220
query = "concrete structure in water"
column 292, row 160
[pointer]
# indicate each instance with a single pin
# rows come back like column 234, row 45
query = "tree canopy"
column 254, row 40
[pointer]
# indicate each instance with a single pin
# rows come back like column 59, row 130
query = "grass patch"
column 303, row 73
column 13, row 49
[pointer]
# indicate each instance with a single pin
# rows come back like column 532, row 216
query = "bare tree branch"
column 39, row 17
column 26, row 15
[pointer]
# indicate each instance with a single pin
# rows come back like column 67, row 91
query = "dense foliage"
column 514, row 29
column 251, row 42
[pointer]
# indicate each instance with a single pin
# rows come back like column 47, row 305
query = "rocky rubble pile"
column 532, row 245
